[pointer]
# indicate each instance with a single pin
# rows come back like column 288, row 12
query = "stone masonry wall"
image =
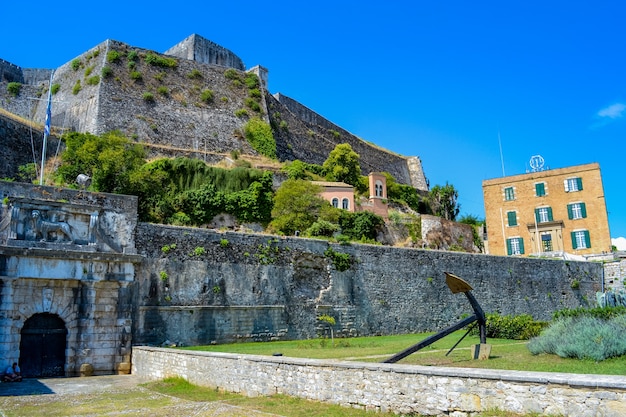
column 311, row 137
column 385, row 291
column 16, row 148
column 10, row 72
column 407, row 389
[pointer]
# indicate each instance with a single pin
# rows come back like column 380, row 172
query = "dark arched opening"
column 42, row 346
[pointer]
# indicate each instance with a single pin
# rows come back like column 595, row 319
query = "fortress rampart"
column 201, row 50
column 10, row 72
column 175, row 120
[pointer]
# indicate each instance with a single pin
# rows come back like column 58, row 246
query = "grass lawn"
column 505, row 354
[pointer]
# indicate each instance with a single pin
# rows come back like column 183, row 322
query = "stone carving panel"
column 28, row 224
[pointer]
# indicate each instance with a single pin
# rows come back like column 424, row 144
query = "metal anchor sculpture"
column 456, row 285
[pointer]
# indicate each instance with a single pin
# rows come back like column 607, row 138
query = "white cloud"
column 614, row 111
column 619, row 243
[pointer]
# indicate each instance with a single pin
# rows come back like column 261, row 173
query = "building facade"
column 556, row 211
column 341, row 195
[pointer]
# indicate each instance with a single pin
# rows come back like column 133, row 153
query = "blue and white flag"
column 46, row 127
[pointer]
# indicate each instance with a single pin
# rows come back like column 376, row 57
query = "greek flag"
column 46, row 127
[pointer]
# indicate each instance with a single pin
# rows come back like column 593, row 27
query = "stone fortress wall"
column 197, row 286
column 201, row 50
column 177, row 123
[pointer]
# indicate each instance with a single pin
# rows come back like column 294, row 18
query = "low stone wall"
column 430, row 391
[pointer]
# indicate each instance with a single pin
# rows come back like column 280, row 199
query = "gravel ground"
column 98, row 396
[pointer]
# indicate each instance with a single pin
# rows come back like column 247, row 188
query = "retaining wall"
column 187, row 272
column 429, row 391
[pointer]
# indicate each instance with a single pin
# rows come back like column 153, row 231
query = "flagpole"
column 46, row 129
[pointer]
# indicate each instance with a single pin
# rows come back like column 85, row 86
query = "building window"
column 543, row 214
column 540, row 189
column 515, row 246
column 576, row 211
column 512, row 218
column 335, row 202
column 378, row 189
column 546, row 241
column 509, row 193
column 573, row 184
column 580, row 239
column 345, row 204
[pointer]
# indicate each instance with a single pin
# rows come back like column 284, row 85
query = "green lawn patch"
column 505, row 354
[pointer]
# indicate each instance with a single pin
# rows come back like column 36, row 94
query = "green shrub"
column 253, row 105
column 95, row 80
column 241, row 113
column 259, row 135
column 237, row 83
column 603, row 313
column 224, row 243
column 77, row 87
column 162, row 90
column 167, row 248
column 199, row 251
column 206, row 96
column 583, row 337
column 194, row 74
column 322, row 228
column 255, row 93
column 522, row 327
column 160, row 76
column 251, row 80
column 106, row 72
column 361, row 225
column 148, row 97
column 131, row 65
column 132, row 56
column 14, row 88
column 341, row 261
column 88, row 71
column 113, row 57
column 76, row 64
column 136, row 75
column 55, row 88
column 231, row 74
column 160, row 61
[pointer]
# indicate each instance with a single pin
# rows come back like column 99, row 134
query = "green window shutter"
column 521, row 246
column 509, row 251
column 570, row 212
column 540, row 189
column 574, row 245
column 583, row 209
column 512, row 218
column 537, row 218
column 587, row 239
column 579, row 182
column 550, row 214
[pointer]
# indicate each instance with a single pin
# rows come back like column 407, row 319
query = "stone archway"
column 42, row 346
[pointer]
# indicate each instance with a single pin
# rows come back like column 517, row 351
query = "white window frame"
column 516, row 248
column 577, row 211
column 543, row 214
column 581, row 242
column 345, row 204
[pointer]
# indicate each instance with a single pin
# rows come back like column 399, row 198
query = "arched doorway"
column 42, row 346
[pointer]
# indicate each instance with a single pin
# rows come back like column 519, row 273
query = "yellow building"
column 546, row 212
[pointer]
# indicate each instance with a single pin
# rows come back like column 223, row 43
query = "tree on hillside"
column 443, row 201
column 110, row 160
column 343, row 165
column 297, row 206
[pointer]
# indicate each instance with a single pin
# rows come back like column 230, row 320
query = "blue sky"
column 439, row 80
